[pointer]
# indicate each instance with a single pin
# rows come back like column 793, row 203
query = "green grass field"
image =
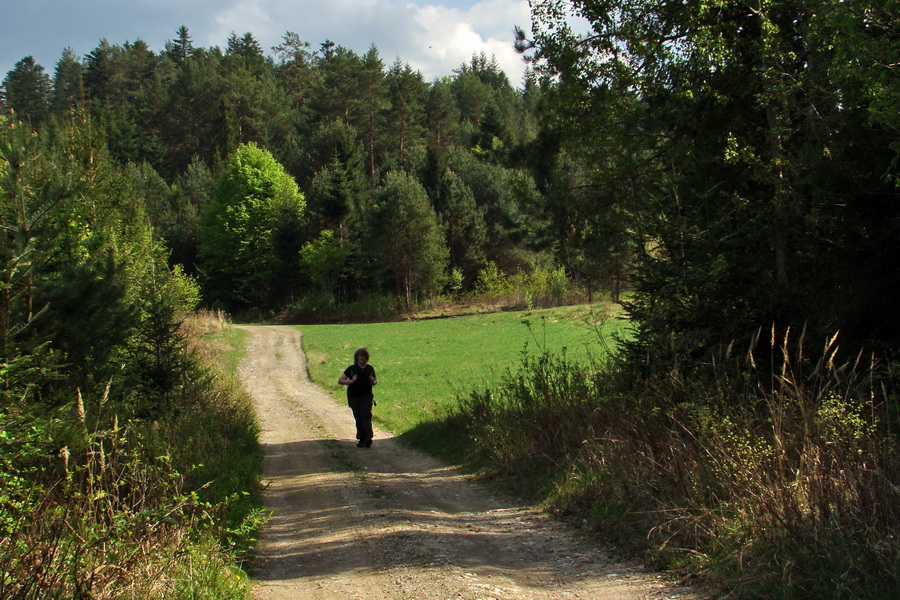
column 423, row 365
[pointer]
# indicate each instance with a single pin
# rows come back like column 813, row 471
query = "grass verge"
column 769, row 483
column 99, row 500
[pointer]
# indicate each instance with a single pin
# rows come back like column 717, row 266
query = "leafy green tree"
column 238, row 261
column 323, row 259
column 407, row 237
column 730, row 133
column 472, row 97
column 162, row 298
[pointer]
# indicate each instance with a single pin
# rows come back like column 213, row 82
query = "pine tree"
column 28, row 91
column 369, row 105
column 442, row 115
column 68, row 83
column 407, row 237
column 406, row 92
column 182, row 46
column 464, row 228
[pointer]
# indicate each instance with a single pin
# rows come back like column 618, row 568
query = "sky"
column 433, row 36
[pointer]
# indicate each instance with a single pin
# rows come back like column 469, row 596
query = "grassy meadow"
column 423, row 365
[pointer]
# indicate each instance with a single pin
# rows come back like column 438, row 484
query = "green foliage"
column 179, row 222
column 68, row 83
column 725, row 142
column 32, row 190
column 108, row 507
column 508, row 201
column 27, row 91
column 492, row 283
column 190, row 121
column 338, row 122
column 407, row 237
column 536, row 417
column 253, row 197
column 323, row 259
column 120, row 454
column 464, row 226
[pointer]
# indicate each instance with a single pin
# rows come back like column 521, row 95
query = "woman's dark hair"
column 360, row 352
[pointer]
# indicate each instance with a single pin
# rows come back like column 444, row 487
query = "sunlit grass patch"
column 424, row 365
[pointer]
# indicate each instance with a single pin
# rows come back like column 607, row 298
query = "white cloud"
column 434, row 37
column 247, row 15
column 452, row 36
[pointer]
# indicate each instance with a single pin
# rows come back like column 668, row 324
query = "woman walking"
column 359, row 379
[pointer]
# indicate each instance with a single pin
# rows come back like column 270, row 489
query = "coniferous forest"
column 728, row 171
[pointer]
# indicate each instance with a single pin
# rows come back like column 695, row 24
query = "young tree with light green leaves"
column 237, row 255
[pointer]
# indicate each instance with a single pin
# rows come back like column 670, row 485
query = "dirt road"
column 388, row 522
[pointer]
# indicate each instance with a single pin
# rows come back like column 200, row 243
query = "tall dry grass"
column 106, row 519
column 98, row 502
column 773, row 474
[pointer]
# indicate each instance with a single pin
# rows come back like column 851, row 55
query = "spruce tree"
column 28, row 91
column 407, row 238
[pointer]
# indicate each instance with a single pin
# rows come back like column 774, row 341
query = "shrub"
column 492, row 283
column 323, row 308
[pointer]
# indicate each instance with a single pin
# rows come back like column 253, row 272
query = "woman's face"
column 361, row 360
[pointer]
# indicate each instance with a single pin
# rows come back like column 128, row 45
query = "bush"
column 492, row 283
column 540, row 286
column 536, row 418
column 109, row 515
